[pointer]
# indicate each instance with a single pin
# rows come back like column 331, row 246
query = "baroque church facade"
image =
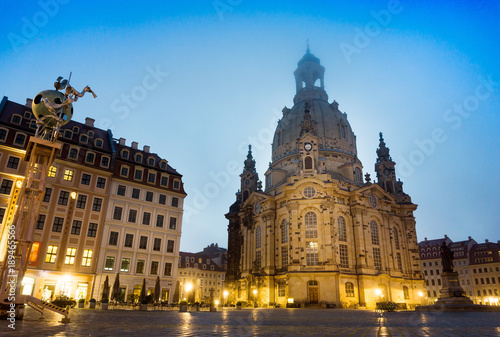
column 317, row 234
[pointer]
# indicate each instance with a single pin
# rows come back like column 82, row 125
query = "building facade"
column 317, row 233
column 81, row 193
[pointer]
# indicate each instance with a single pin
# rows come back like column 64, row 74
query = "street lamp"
column 225, row 294
column 187, row 288
column 421, row 295
column 255, row 298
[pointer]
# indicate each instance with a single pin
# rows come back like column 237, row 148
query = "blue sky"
column 199, row 80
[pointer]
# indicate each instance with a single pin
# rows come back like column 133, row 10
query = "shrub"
column 386, row 306
column 81, row 300
column 183, row 303
column 92, row 300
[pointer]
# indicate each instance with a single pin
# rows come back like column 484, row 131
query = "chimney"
column 470, row 238
column 134, row 145
column 122, row 141
column 425, row 239
column 486, row 241
column 146, row 148
column 29, row 101
column 89, row 121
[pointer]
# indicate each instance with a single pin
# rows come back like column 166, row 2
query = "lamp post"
column 225, row 294
column 255, row 298
column 187, row 288
column 421, row 295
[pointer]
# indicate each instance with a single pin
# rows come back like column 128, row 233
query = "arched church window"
column 342, row 131
column 311, row 223
column 406, row 293
column 258, row 237
column 308, row 163
column 396, row 238
column 309, row 192
column 284, row 231
column 358, row 175
column 349, row 289
column 342, row 229
column 374, row 232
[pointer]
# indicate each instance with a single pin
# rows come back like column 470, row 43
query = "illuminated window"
column 68, row 175
column 110, row 263
column 281, row 289
column 342, row 229
column 349, row 289
column 125, row 265
column 51, row 254
column 258, row 237
column 374, row 232
column 52, row 171
column 258, row 259
column 70, row 256
column 311, row 225
column 35, row 249
column 284, row 231
column 87, row 258
column 344, row 256
column 312, row 256
column 377, row 262
column 406, row 293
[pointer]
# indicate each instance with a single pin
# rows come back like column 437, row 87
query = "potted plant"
column 104, row 304
column 238, row 305
column 81, row 303
column 183, row 306
column 92, row 303
column 144, row 305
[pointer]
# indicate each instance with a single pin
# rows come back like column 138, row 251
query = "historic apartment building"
column 317, row 233
column 77, row 234
column 477, row 265
column 200, row 277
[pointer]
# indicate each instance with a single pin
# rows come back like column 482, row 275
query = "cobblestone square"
column 257, row 322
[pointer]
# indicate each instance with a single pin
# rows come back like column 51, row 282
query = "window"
column 258, row 237
column 312, row 257
column 125, row 265
column 113, row 238
column 16, row 119
column 396, row 238
column 311, row 225
column 52, row 171
column 406, row 293
column 125, row 154
column 63, row 198
column 149, row 196
column 168, row 269
column 173, row 223
column 163, row 165
column 284, row 231
column 159, row 220
column 117, row 213
column 177, row 184
column 121, row 190
column 81, row 201
column 40, row 222
column 258, row 259
column 51, row 254
column 146, row 217
column 154, row 267
column 2, row 214
column 124, row 171
column 76, row 227
column 70, row 256
column 20, row 139
column 68, row 175
column 132, row 215
column 101, row 182
column 84, row 139
column 86, row 179
column 96, row 205
column 98, row 143
column 105, row 161
column 6, row 186
column 76, row 129
column 170, row 246
column 374, row 232
column 110, row 263
column 129, row 239
column 175, row 202
column 139, row 269
column 138, row 158
column 344, row 256
column 342, row 229
column 376, row 258
column 135, row 193
column 164, row 181
column 13, row 163
column 157, row 244
column 151, row 161
column 284, row 256
column 358, row 175
column 308, row 163
column 138, row 174
column 309, row 192
column 87, row 258
column 92, row 232
column 90, row 158
column 3, row 135
column 342, row 131
column 73, row 153
column 400, row 264
column 163, row 199
column 349, row 289
column 57, row 225
column 143, row 243
column 48, row 193
column 151, row 178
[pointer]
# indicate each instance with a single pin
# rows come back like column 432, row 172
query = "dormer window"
column 90, row 134
column 3, row 135
column 16, row 119
column 33, row 124
column 68, row 134
column 151, row 162
column 98, row 143
column 138, row 158
column 125, row 154
column 73, row 153
column 27, row 115
column 84, row 139
column 163, row 165
column 76, row 129
column 89, row 159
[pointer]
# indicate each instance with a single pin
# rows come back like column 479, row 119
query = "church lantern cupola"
column 309, row 78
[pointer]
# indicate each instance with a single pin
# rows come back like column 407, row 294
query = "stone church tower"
column 318, row 234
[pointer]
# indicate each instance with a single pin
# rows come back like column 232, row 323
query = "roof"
column 200, row 263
